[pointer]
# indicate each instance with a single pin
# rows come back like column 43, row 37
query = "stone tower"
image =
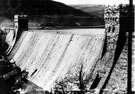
column 21, row 24
column 112, row 25
column 115, row 57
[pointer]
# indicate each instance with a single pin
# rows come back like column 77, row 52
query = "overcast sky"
column 105, row 2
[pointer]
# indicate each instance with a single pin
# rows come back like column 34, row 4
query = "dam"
column 79, row 59
column 50, row 54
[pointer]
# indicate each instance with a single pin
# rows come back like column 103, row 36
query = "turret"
column 112, row 25
column 21, row 24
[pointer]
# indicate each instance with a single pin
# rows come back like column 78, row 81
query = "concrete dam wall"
column 49, row 55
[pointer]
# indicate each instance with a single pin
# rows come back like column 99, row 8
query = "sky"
column 105, row 2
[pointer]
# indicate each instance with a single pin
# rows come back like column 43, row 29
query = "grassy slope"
column 97, row 10
column 94, row 14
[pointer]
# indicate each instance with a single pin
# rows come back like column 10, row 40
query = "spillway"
column 50, row 54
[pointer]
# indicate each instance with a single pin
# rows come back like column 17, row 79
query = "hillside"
column 50, row 13
column 37, row 7
column 97, row 10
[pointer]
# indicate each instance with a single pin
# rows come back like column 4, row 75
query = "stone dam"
column 94, row 57
column 50, row 54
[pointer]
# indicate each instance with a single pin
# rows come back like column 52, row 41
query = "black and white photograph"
column 67, row 47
